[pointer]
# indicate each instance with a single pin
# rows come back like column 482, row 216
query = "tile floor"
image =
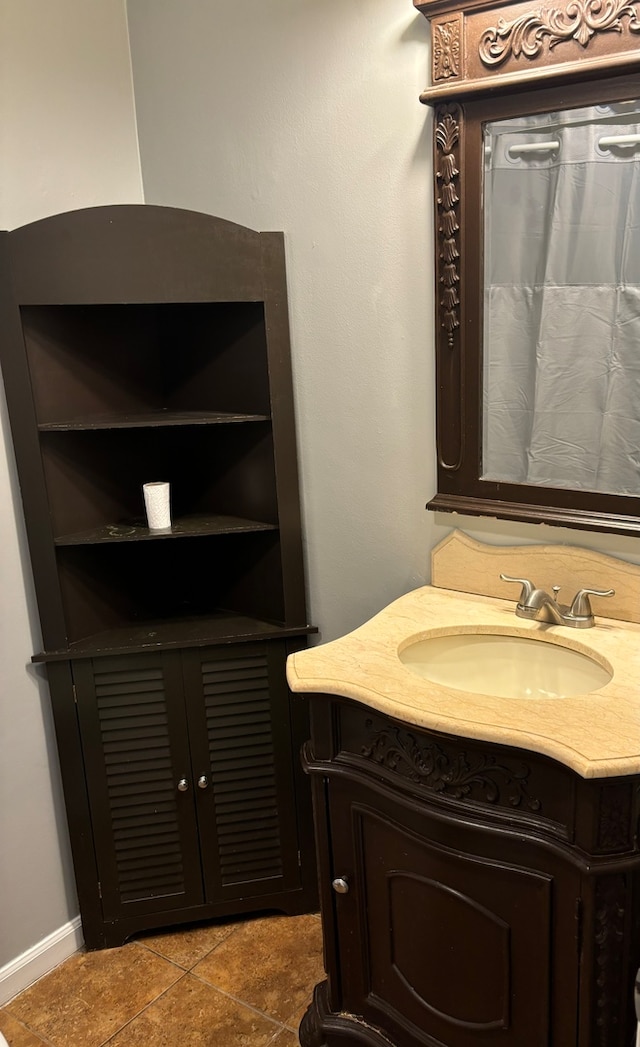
column 240, row 984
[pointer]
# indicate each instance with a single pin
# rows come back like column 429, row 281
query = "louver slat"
column 239, row 732
column 238, row 813
column 140, row 783
column 245, row 817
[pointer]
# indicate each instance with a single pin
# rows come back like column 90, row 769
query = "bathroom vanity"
column 476, row 796
column 479, row 854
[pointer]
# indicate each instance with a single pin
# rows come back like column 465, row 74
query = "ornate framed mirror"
column 537, row 190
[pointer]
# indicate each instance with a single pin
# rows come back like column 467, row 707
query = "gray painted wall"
column 68, row 139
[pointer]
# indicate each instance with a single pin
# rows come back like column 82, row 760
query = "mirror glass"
column 561, row 300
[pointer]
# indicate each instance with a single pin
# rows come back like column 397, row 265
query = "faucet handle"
column 581, row 606
column 527, row 587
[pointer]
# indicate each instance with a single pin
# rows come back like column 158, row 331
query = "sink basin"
column 504, row 666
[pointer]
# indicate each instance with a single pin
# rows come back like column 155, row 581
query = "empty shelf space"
column 107, row 586
column 100, row 363
column 150, row 419
column 223, row 627
column 184, row 527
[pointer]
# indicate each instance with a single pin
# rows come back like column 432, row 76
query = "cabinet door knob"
column 203, row 781
column 183, row 785
column 340, row 885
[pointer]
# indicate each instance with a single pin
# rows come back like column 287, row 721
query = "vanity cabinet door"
column 138, row 772
column 437, row 940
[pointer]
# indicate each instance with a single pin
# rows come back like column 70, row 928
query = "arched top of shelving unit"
column 136, row 253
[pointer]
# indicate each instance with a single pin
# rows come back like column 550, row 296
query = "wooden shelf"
column 151, row 419
column 166, row 634
column 146, row 343
column 185, row 527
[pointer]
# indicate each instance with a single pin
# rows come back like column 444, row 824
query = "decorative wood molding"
column 608, row 958
column 614, row 820
column 452, row 774
column 447, row 45
column 447, row 145
column 581, row 21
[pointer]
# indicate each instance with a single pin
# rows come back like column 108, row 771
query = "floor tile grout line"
column 141, row 941
column 124, row 1025
column 143, row 1009
column 195, row 963
column 279, row 1026
column 50, row 1043
column 275, row 1037
column 25, row 1025
column 243, row 1003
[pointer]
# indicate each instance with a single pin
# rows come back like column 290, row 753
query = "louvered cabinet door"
column 135, row 744
column 240, row 731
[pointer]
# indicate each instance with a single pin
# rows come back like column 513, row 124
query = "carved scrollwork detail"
column 455, row 775
column 610, row 918
column 446, row 50
column 447, row 139
column 614, row 821
column 581, row 20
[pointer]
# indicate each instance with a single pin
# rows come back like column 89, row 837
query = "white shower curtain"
column 562, row 302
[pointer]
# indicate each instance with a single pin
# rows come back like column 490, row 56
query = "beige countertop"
column 596, row 734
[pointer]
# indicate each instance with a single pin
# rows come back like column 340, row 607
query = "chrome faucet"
column 538, row 606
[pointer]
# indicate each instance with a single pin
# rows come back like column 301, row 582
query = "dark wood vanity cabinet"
column 472, row 894
column 457, row 942
column 140, row 344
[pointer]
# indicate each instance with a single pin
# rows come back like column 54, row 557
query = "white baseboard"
column 40, row 959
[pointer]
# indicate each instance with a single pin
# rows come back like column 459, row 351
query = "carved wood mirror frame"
column 492, row 61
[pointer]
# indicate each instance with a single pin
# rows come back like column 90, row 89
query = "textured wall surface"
column 67, row 140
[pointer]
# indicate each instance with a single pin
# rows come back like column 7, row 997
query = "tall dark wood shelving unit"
column 148, row 343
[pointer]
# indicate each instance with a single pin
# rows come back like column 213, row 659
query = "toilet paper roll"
column 158, row 505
